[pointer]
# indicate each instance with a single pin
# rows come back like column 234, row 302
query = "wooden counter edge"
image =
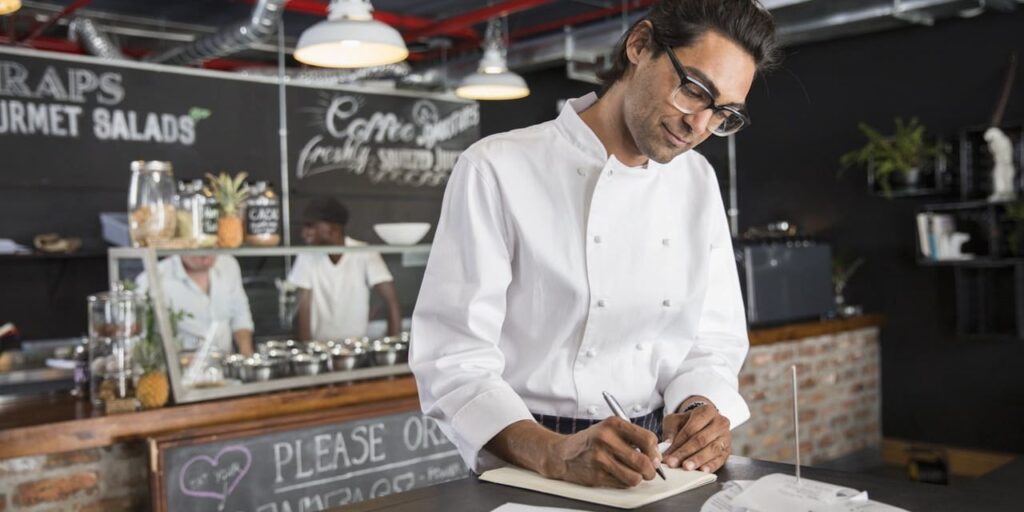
column 793, row 332
column 80, row 434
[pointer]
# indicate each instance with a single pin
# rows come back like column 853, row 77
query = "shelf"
column 975, row 262
column 280, row 250
column 962, row 205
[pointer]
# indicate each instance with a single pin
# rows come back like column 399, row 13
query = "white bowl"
column 402, row 233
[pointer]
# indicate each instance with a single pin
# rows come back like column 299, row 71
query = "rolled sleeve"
column 712, row 366
column 457, row 322
column 377, row 270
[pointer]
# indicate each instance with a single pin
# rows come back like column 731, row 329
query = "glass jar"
column 210, row 214
column 117, row 313
column 151, row 212
column 262, row 216
column 116, row 325
column 190, row 212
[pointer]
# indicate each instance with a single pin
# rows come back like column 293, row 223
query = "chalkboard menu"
column 73, row 123
column 310, row 467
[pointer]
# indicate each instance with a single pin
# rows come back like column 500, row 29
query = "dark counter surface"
column 472, row 495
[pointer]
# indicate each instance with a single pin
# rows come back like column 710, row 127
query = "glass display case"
column 205, row 361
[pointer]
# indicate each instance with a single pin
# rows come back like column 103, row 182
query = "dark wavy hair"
column 679, row 23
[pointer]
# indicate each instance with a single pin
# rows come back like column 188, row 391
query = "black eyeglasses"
column 692, row 96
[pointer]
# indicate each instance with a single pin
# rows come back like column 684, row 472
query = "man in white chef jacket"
column 592, row 253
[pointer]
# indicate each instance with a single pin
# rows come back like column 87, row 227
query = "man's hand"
column 600, row 456
column 701, row 438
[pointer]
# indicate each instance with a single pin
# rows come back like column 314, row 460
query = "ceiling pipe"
column 474, row 17
column 260, row 26
column 67, row 11
column 84, row 32
column 334, row 76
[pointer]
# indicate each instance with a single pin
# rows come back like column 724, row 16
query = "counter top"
column 796, row 331
column 57, row 423
column 472, row 494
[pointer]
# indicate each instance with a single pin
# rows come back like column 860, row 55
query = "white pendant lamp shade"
column 350, row 38
column 9, row 6
column 493, row 80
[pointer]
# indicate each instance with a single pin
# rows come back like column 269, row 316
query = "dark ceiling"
column 145, row 26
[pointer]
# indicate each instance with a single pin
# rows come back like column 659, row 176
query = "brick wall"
column 839, row 392
column 109, row 479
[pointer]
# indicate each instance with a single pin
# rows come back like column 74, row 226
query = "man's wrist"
column 692, row 400
column 529, row 445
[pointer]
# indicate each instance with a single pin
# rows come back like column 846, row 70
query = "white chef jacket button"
column 601, row 303
column 581, row 172
column 639, row 346
column 591, row 352
column 666, row 242
column 637, row 408
column 667, row 303
column 598, row 239
column 592, row 410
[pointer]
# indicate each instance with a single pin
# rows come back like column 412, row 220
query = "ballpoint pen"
column 617, row 409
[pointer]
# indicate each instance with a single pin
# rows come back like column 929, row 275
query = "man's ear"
column 639, row 41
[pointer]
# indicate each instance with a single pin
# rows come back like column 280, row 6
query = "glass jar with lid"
column 190, row 212
column 262, row 216
column 116, row 325
column 152, row 215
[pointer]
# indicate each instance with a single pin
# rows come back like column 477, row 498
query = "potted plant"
column 898, row 159
column 230, row 194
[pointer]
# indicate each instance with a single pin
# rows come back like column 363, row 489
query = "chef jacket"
column 557, row 272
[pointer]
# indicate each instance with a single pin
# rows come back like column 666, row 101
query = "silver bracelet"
column 693, row 405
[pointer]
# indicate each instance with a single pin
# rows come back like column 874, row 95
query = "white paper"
column 722, row 500
column 784, row 493
column 519, row 507
column 677, row 481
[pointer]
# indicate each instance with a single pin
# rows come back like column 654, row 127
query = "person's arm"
column 701, row 438
column 303, row 327
column 243, row 338
column 389, row 294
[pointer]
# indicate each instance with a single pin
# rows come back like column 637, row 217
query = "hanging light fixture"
column 350, row 38
column 493, row 80
column 9, row 6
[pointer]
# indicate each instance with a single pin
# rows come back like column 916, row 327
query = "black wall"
column 936, row 386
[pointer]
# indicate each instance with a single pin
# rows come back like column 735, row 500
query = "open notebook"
column 676, row 481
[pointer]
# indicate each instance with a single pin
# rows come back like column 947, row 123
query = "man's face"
column 662, row 132
column 198, row 263
column 319, row 232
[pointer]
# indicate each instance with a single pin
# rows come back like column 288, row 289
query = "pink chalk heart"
column 213, row 462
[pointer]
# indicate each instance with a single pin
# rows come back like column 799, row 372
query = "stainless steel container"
column 232, row 366
column 279, row 362
column 255, row 369
column 383, row 353
column 343, row 359
column 305, row 365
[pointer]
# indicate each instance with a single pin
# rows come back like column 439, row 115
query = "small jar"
column 262, row 216
column 152, row 216
column 209, row 213
column 190, row 210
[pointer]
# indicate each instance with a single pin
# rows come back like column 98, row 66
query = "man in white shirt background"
column 592, row 253
column 207, row 288
column 334, row 289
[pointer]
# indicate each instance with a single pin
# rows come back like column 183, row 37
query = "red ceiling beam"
column 71, row 8
column 474, row 17
column 399, row 21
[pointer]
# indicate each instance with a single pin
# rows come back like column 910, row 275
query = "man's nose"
column 699, row 121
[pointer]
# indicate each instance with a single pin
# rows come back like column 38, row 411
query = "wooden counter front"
column 54, row 424
column 57, row 423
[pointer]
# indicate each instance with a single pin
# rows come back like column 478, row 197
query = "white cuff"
column 708, row 383
column 484, row 417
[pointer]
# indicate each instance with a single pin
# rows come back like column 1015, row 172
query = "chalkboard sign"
column 73, row 123
column 312, row 466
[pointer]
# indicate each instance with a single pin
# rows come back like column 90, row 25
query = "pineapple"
column 230, row 194
column 152, row 389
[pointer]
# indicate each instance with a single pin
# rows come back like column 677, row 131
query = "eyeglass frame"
column 685, row 77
